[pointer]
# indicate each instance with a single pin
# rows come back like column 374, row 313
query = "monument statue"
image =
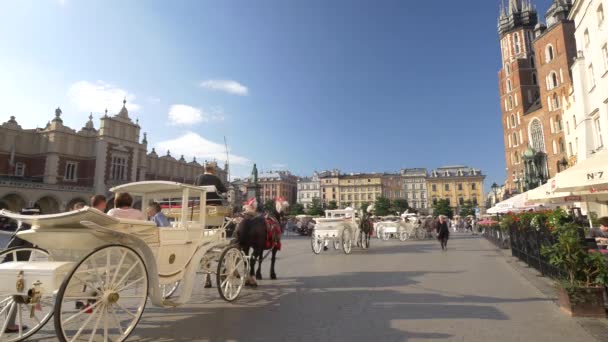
column 254, row 174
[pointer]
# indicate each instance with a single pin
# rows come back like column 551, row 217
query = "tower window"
column 510, row 102
column 515, row 139
column 509, row 88
column 600, row 15
column 553, row 80
column 517, row 44
column 555, row 100
column 512, row 121
column 508, row 69
column 534, row 79
column 549, row 53
column 532, row 62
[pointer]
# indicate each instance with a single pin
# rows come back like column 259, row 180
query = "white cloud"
column 228, row 86
column 192, row 144
column 97, row 96
column 180, row 114
column 279, row 167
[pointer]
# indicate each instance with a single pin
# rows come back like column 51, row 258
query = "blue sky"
column 368, row 86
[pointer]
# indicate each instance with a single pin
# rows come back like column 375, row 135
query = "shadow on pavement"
column 344, row 307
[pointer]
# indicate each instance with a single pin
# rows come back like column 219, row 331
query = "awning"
column 589, row 175
column 515, row 203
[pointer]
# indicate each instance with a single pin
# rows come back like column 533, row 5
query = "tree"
column 332, row 205
column 400, row 205
column 442, row 207
column 467, row 208
column 296, row 209
column 269, row 205
column 316, row 208
column 383, row 206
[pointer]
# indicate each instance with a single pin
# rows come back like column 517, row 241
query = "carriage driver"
column 209, row 178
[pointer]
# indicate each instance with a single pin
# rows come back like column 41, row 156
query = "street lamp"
column 495, row 188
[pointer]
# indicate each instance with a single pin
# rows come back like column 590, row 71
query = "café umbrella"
column 589, row 175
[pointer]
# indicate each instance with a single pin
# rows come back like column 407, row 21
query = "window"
column 510, row 103
column 461, row 201
column 447, row 187
column 508, row 69
column 517, row 44
column 448, row 200
column 70, row 171
column 562, row 147
column 605, row 56
column 553, row 81
column 512, row 121
column 549, row 53
column 536, row 135
column 555, row 102
column 570, row 148
column 599, row 140
column 558, row 124
column 591, row 77
column 532, row 62
column 587, row 39
column 459, row 186
column 473, row 186
column 20, row 169
column 509, row 88
column 434, row 200
column 434, row 187
column 118, row 170
column 534, row 79
column 517, row 159
column 515, row 139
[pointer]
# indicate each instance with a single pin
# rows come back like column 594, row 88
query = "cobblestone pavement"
column 396, row 291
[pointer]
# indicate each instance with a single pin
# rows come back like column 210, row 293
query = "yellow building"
column 456, row 184
column 356, row 189
column 330, row 186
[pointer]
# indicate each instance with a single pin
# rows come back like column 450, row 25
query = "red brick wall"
column 85, row 172
column 34, row 165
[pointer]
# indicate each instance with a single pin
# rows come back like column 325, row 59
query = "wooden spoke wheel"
column 21, row 316
column 232, row 272
column 103, row 297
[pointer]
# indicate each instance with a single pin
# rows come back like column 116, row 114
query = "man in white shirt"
column 123, row 208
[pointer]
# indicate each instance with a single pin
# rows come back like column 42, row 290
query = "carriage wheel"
column 316, row 244
column 347, row 241
column 16, row 307
column 231, row 273
column 420, row 234
column 385, row 236
column 168, row 290
column 336, row 244
column 104, row 296
column 402, row 236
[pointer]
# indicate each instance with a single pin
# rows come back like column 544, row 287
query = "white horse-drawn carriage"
column 402, row 228
column 94, row 272
column 339, row 227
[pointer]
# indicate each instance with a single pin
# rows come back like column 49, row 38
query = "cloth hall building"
column 54, row 167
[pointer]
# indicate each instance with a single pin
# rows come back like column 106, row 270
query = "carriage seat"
column 145, row 230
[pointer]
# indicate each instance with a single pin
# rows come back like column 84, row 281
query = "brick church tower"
column 533, row 85
column 518, row 81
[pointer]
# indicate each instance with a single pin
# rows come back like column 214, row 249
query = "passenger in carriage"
column 99, row 202
column 123, row 208
column 156, row 215
column 209, row 178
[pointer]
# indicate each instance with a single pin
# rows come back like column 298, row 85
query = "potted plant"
column 581, row 290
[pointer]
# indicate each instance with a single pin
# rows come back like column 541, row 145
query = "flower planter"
column 587, row 302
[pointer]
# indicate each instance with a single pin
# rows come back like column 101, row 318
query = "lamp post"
column 495, row 188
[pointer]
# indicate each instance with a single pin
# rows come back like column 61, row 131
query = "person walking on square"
column 443, row 232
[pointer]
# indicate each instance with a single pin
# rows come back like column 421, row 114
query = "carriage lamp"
column 35, row 294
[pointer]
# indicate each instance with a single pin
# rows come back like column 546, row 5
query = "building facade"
column 392, row 186
column 415, row 188
column 308, row 189
column 275, row 184
column 357, row 189
column 330, row 186
column 534, row 83
column 56, row 166
column 456, row 184
column 586, row 119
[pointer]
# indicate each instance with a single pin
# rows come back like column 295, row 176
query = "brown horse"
column 260, row 233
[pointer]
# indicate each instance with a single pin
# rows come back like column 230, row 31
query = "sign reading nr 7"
column 595, row 175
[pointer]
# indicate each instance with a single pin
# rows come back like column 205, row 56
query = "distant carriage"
column 95, row 273
column 341, row 228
